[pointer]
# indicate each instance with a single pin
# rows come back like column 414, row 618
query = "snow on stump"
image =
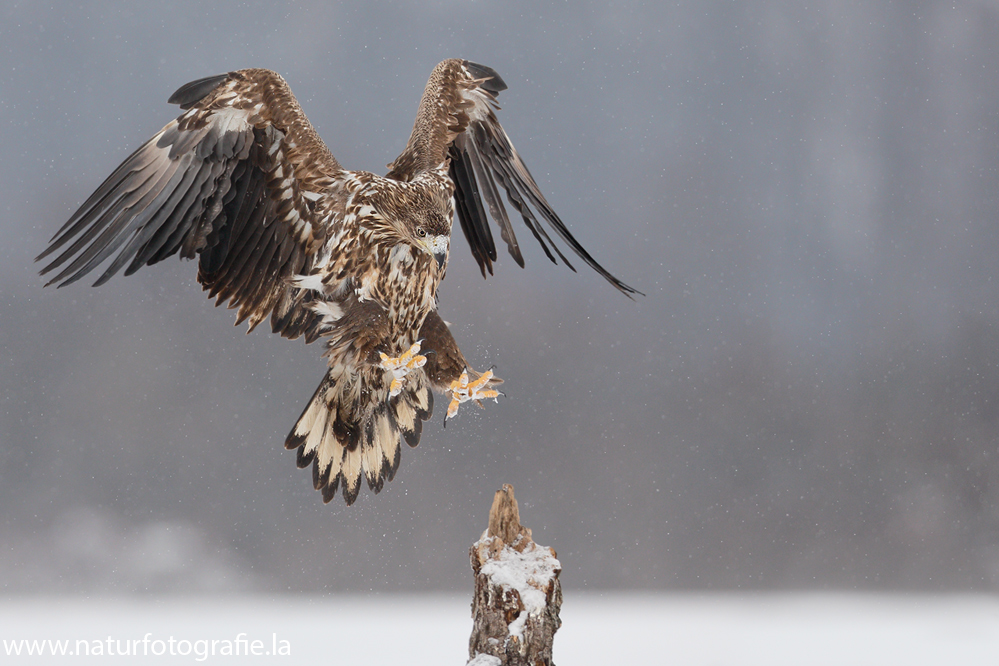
column 517, row 592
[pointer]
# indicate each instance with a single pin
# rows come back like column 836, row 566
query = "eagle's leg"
column 462, row 390
column 448, row 371
column 402, row 365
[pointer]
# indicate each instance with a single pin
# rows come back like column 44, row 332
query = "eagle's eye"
column 421, row 232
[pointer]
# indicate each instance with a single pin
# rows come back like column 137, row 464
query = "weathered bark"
column 517, row 592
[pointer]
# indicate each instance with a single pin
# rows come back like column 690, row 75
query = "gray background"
column 807, row 397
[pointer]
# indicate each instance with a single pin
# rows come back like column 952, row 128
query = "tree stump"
column 517, row 592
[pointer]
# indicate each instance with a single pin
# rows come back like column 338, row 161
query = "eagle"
column 242, row 182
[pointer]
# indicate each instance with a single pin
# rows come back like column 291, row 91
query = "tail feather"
column 329, row 491
column 303, row 459
column 327, row 449
column 410, row 409
column 345, row 432
column 381, row 451
column 351, row 473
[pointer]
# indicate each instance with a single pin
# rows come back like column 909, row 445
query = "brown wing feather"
column 237, row 179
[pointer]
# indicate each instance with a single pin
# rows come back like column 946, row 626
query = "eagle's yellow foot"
column 462, row 391
column 400, row 366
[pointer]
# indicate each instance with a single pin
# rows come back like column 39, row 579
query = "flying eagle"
column 242, row 181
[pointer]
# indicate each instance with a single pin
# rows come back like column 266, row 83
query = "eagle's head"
column 429, row 229
column 417, row 213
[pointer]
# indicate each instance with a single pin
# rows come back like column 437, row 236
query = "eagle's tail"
column 347, row 429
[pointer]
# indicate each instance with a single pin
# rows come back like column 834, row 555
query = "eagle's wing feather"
column 457, row 121
column 236, row 179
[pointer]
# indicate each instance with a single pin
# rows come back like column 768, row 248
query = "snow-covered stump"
column 517, row 592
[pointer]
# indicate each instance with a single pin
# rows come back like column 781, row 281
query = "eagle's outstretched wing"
column 457, row 120
column 235, row 179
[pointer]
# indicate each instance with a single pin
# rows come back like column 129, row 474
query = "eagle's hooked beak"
column 437, row 245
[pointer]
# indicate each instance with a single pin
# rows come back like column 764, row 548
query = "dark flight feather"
column 191, row 93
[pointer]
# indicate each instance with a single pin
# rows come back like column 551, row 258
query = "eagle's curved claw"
column 462, row 390
column 400, row 366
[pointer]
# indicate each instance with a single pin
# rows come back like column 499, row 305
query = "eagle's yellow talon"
column 483, row 395
column 462, row 391
column 460, row 383
column 481, row 381
column 402, row 365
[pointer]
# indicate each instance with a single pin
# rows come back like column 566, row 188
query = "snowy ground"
column 714, row 630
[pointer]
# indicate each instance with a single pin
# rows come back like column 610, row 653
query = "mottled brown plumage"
column 281, row 230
